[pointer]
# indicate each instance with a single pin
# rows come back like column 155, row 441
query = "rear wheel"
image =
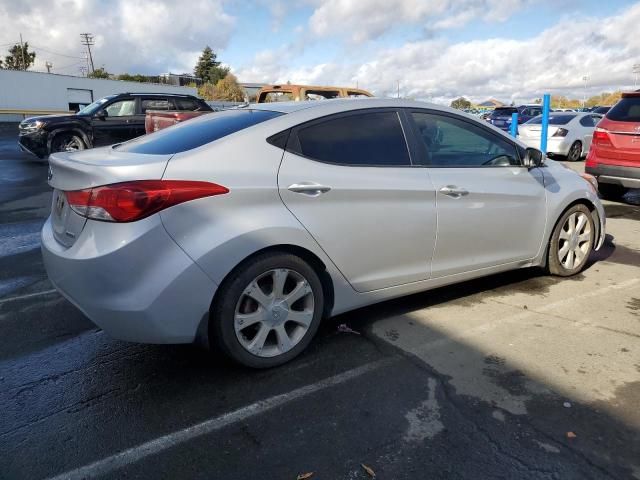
column 611, row 191
column 571, row 242
column 67, row 142
column 575, row 152
column 268, row 310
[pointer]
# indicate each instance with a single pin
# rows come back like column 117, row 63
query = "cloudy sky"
column 435, row 49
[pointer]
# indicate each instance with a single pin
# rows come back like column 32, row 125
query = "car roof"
column 344, row 104
column 156, row 94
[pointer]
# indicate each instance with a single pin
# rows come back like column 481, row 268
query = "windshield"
column 553, row 119
column 197, row 132
column 95, row 106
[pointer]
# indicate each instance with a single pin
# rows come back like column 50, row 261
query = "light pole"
column 636, row 71
column 585, row 79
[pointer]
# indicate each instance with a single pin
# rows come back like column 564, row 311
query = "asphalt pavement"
column 513, row 376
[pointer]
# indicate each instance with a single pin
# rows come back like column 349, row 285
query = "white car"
column 569, row 133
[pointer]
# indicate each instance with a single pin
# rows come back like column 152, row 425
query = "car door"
column 590, row 122
column 115, row 126
column 491, row 210
column 348, row 179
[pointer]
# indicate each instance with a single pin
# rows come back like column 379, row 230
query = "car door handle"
column 453, row 191
column 309, row 189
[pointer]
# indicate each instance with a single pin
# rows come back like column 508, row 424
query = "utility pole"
column 398, row 88
column 87, row 41
column 24, row 65
column 48, row 65
column 636, row 70
column 585, row 79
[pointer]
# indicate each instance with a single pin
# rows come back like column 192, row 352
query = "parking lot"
column 518, row 375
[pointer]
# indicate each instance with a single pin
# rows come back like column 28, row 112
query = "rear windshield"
column 626, row 110
column 197, row 132
column 503, row 112
column 553, row 119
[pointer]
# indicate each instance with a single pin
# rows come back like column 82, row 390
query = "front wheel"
column 571, row 242
column 268, row 310
column 67, row 142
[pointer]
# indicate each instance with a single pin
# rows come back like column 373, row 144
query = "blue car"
column 501, row 116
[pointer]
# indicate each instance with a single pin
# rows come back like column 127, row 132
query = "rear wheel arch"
column 308, row 256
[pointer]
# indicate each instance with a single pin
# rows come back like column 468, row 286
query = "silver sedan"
column 245, row 228
column 569, row 133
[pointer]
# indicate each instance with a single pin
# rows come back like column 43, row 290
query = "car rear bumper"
column 628, row 177
column 132, row 280
column 557, row 146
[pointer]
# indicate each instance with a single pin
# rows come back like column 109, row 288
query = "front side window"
column 373, row 139
column 276, row 97
column 123, row 108
column 450, row 142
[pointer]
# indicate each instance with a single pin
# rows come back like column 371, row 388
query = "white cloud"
column 553, row 61
column 363, row 20
column 130, row 35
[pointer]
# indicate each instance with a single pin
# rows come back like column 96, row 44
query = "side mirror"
column 101, row 114
column 533, row 158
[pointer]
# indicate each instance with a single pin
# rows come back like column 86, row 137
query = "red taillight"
column 131, row 201
column 601, row 138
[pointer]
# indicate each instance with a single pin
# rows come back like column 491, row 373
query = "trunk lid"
column 88, row 169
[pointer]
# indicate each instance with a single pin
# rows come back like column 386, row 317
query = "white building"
column 24, row 93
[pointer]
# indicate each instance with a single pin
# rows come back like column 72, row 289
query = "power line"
column 87, row 41
column 56, row 53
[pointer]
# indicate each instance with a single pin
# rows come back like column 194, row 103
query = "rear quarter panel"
column 220, row 232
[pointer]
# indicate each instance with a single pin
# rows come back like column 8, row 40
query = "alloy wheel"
column 574, row 240
column 274, row 312
column 575, row 151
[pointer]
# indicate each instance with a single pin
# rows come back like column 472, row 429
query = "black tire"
column 555, row 264
column 66, row 142
column 575, row 151
column 611, row 191
column 222, row 316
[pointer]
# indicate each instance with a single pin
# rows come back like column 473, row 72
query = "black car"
column 501, row 116
column 112, row 119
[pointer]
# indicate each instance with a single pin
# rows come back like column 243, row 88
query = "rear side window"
column 191, row 104
column 626, row 110
column 374, row 139
column 156, row 104
column 587, row 121
column 197, row 132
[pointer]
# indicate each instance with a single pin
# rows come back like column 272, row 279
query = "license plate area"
column 67, row 224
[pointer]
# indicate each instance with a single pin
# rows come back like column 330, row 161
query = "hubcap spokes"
column 575, row 240
column 274, row 312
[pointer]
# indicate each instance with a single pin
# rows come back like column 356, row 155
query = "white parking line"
column 152, row 447
column 27, row 295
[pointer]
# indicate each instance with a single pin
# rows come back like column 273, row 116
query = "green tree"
column 208, row 67
column 229, row 90
column 460, row 103
column 19, row 58
column 99, row 73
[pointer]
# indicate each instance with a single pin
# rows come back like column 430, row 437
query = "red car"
column 614, row 156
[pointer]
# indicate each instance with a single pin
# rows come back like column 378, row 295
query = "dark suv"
column 112, row 119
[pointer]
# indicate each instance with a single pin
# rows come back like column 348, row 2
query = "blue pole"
column 546, row 103
column 514, row 124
